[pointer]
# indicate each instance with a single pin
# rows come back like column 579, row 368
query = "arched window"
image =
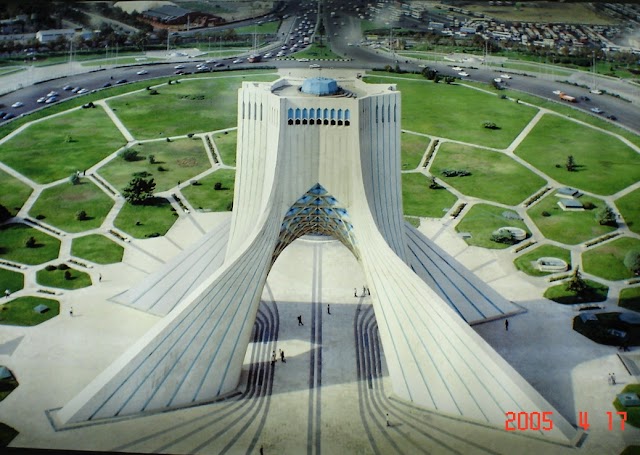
column 347, row 114
column 290, row 113
column 298, row 114
column 333, row 114
column 326, row 114
column 304, row 113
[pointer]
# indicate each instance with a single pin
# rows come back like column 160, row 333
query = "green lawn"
column 630, row 298
column 13, row 193
column 208, row 105
column 204, row 197
column 605, row 164
column 481, row 220
column 597, row 293
column 60, row 204
column 180, row 160
column 413, row 149
column 526, row 262
column 457, row 112
column 9, row 279
column 629, row 207
column 606, row 261
column 570, row 227
column 56, row 279
column 633, row 413
column 56, row 147
column 12, row 244
column 266, row 28
column 97, row 248
column 494, row 176
column 315, row 51
column 420, row 200
column 143, row 221
column 20, row 311
column 226, row 143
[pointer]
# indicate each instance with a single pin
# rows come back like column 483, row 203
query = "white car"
column 17, row 104
column 498, row 80
column 178, row 67
column 596, row 91
column 557, row 92
column 463, row 74
column 303, row 60
column 42, row 99
column 211, row 61
column 141, row 72
column 314, row 65
column 238, row 60
column 597, row 110
column 505, row 76
column 82, row 91
column 456, row 68
column 268, row 55
column 51, row 99
column 52, row 93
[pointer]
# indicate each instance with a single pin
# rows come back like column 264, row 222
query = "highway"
column 343, row 33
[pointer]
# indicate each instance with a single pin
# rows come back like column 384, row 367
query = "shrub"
column 190, row 135
column 168, row 139
column 162, row 169
column 153, row 92
column 217, row 186
column 504, row 236
column 142, row 174
column 129, row 155
column 63, row 266
column 230, row 206
column 50, row 268
column 632, row 261
column 4, row 214
column 490, row 125
column 152, row 159
column 74, row 178
column 31, row 242
column 40, row 216
column 81, row 215
column 67, row 275
column 545, row 213
column 588, row 205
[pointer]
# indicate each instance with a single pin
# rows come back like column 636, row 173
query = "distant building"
column 166, row 15
column 570, row 204
column 48, row 36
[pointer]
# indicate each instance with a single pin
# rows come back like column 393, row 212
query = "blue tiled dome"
column 319, row 86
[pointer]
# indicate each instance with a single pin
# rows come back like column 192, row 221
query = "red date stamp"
column 543, row 421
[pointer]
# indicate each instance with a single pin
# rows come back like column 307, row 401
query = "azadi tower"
column 315, row 156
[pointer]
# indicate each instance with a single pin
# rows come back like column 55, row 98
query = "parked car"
column 463, row 74
column 121, row 81
column 17, row 104
column 66, row 88
column 53, row 93
column 178, row 67
column 82, row 91
column 505, row 76
column 142, row 72
column 238, row 60
column 74, row 90
column 106, row 84
column 597, row 110
column 8, row 116
column 51, row 99
column 314, row 65
column 612, row 117
column 42, row 99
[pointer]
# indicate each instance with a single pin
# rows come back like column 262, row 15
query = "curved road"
column 341, row 33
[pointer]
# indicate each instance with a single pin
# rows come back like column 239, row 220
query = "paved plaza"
column 332, row 394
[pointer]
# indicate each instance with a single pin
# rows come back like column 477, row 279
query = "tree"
column 67, row 275
column 632, row 261
column 606, row 216
column 31, row 242
column 576, row 283
column 81, row 215
column 217, row 186
column 152, row 159
column 129, row 155
column 4, row 214
column 139, row 191
column 74, row 178
column 571, row 164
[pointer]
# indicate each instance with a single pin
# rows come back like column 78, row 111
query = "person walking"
column 300, row 320
column 506, row 325
column 388, row 423
column 613, row 379
column 282, row 357
column 328, row 308
column 355, row 292
column 71, row 311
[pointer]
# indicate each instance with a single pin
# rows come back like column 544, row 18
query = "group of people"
column 612, row 379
